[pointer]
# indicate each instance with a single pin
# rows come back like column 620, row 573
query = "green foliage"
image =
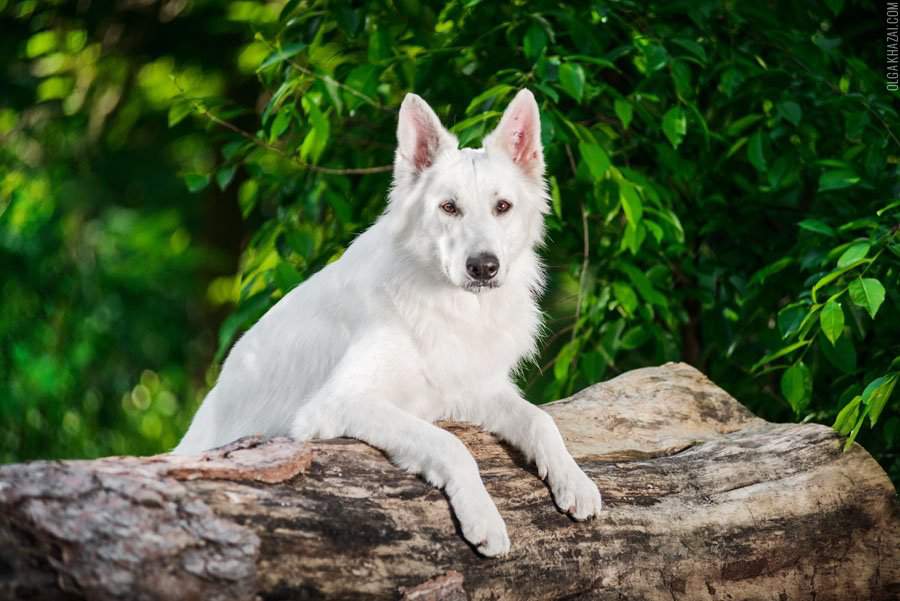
column 105, row 335
column 723, row 175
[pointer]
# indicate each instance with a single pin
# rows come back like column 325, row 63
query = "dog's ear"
column 420, row 136
column 519, row 134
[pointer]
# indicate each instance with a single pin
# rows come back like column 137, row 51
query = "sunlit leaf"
column 832, row 320
column 867, row 293
column 854, row 253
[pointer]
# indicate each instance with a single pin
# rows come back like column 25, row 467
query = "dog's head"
column 471, row 215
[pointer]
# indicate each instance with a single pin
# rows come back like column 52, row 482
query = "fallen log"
column 702, row 501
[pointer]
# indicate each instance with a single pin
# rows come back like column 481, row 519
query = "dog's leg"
column 533, row 431
column 420, row 447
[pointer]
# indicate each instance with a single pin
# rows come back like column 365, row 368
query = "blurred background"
column 724, row 179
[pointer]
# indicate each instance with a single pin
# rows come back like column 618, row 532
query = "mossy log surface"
column 703, row 501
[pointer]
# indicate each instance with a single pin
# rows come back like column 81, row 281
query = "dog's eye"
column 502, row 206
column 449, row 207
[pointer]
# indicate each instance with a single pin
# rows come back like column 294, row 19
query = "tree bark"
column 703, row 501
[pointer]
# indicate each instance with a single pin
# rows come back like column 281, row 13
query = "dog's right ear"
column 420, row 136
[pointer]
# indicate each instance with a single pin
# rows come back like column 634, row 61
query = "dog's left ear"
column 519, row 135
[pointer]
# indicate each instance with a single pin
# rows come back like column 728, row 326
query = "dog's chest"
column 476, row 342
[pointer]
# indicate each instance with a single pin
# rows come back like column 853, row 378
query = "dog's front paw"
column 575, row 493
column 482, row 526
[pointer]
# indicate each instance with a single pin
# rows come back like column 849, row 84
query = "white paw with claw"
column 482, row 525
column 575, row 493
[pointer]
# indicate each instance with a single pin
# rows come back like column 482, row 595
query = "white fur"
column 395, row 335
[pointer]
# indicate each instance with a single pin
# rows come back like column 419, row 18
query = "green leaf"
column 692, row 47
column 808, row 321
column 535, row 42
column 760, row 276
column 178, row 111
column 755, row 153
column 780, row 353
column 555, row 197
column 317, row 139
column 827, row 279
column 837, row 180
column 624, row 111
column 814, row 225
column 741, row 124
column 361, row 86
column 860, row 420
column 571, row 79
column 876, row 396
column 626, row 297
column 631, row 203
column 595, row 157
column 836, row 6
column 854, row 253
column 633, row 237
column 867, row 293
column 196, row 182
column 675, row 125
column 471, row 121
column 832, row 320
column 888, row 207
column 790, row 111
column 225, row 175
column 494, row 93
column 281, row 55
column 247, row 196
column 790, row 318
column 847, row 416
column 286, row 276
column 342, row 209
column 281, row 122
column 796, row 386
column 564, row 359
column 634, row 337
column 644, row 286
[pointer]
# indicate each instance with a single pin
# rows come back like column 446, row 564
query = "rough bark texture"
column 703, row 501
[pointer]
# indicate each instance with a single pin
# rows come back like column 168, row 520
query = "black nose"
column 482, row 267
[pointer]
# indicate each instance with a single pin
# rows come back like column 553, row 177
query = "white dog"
column 425, row 317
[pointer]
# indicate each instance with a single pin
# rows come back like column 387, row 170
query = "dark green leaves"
column 837, row 180
column 755, row 153
column 535, row 41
